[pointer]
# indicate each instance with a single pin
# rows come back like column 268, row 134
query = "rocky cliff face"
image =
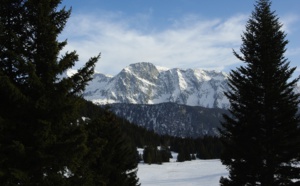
column 144, row 83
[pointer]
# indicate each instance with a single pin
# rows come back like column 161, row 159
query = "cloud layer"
column 191, row 42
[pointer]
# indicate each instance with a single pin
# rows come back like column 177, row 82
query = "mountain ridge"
column 144, row 83
column 177, row 102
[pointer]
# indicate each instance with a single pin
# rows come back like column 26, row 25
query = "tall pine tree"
column 42, row 139
column 113, row 164
column 261, row 135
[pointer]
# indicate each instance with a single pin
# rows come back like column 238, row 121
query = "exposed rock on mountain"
column 144, row 83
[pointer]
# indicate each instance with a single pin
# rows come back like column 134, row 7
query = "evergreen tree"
column 181, row 156
column 42, row 139
column 165, row 154
column 184, row 153
column 261, row 134
column 148, row 155
column 152, row 155
column 111, row 157
column 202, row 153
column 193, row 157
column 118, row 162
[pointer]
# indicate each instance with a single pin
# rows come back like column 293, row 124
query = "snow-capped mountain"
column 145, row 83
column 185, row 103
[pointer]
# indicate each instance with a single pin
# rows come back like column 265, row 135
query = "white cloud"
column 191, row 42
column 288, row 21
column 293, row 52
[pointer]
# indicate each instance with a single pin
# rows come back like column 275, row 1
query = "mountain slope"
column 144, row 83
column 172, row 119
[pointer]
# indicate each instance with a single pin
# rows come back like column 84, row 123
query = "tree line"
column 207, row 147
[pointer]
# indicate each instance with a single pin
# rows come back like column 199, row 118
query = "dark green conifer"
column 118, row 161
column 180, row 156
column 42, row 139
column 184, row 153
column 148, row 155
column 261, row 135
column 111, row 157
column 165, row 154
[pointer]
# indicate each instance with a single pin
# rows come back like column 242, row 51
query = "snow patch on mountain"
column 144, row 83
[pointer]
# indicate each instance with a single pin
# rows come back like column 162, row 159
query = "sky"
column 169, row 33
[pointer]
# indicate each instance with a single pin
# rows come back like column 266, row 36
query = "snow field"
column 189, row 173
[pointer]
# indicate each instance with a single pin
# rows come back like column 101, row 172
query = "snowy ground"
column 190, row 173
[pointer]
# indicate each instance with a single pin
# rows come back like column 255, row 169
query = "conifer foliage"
column 119, row 158
column 41, row 136
column 261, row 135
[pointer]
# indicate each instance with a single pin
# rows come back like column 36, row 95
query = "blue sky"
column 169, row 33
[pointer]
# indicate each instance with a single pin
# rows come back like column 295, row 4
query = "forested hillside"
column 205, row 147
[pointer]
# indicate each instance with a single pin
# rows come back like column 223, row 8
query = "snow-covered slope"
column 144, row 83
column 192, row 173
column 189, row 173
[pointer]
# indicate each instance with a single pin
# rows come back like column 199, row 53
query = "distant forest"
column 208, row 147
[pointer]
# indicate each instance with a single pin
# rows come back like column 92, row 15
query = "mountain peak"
column 144, row 83
column 143, row 70
column 141, row 65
